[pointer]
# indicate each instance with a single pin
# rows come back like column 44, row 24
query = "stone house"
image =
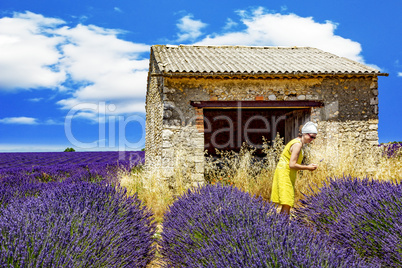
column 205, row 97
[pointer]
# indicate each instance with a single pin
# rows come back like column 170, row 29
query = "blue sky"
column 73, row 73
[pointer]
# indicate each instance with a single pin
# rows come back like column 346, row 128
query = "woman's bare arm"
column 295, row 150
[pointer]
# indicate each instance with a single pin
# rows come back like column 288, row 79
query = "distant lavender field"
column 12, row 160
column 76, row 166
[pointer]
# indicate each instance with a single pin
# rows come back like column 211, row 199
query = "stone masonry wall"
column 153, row 125
column 350, row 110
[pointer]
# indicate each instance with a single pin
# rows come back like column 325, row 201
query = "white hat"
column 310, row 128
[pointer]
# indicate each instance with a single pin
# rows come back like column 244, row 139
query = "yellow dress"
column 283, row 185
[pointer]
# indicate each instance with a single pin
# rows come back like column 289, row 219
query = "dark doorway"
column 228, row 129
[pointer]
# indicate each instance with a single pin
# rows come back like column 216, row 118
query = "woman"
column 283, row 191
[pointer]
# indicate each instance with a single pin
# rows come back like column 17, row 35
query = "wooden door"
column 294, row 120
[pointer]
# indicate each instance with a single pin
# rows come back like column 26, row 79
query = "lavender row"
column 13, row 160
column 359, row 214
column 72, row 172
column 220, row 226
column 73, row 225
column 23, row 182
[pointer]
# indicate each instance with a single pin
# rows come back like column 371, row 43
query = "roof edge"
column 301, row 74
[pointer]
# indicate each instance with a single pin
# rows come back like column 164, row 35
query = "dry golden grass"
column 243, row 170
column 389, row 169
column 254, row 175
column 153, row 191
column 350, row 159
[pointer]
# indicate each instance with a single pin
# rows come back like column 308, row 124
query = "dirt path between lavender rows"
column 156, row 262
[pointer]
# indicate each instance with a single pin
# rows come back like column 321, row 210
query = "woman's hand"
column 312, row 167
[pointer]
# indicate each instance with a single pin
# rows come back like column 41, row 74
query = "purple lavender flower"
column 220, row 226
column 391, row 149
column 75, row 225
column 360, row 214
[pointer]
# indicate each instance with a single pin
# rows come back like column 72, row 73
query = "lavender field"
column 70, row 210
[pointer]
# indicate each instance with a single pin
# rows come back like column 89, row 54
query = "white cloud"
column 19, row 120
column 267, row 29
column 52, row 122
column 32, row 148
column 7, row 147
column 28, row 52
column 109, row 68
column 190, row 29
column 400, row 74
column 35, row 99
column 229, row 24
column 23, row 120
column 90, row 63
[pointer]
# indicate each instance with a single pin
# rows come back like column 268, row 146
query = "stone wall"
column 153, row 124
column 345, row 98
column 350, row 110
column 183, row 151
